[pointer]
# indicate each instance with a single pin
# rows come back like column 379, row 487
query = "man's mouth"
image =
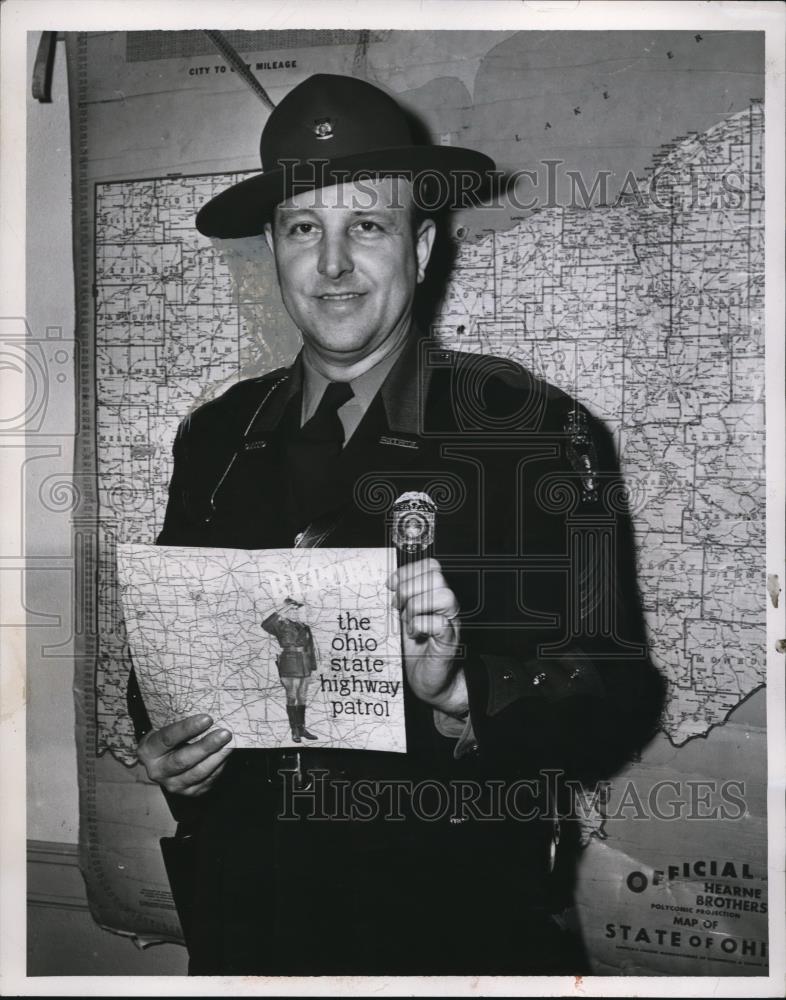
column 340, row 296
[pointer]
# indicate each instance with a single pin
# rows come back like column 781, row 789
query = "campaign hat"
column 333, row 129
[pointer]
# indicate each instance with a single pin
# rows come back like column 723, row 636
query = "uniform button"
column 538, row 679
column 508, row 675
column 474, row 749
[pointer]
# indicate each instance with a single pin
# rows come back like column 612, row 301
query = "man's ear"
column 268, row 230
column 424, row 244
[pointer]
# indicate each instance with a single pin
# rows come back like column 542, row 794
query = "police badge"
column 323, row 128
column 414, row 516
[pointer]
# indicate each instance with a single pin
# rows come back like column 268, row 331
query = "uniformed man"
column 523, row 649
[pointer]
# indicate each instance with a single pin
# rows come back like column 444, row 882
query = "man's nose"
column 335, row 257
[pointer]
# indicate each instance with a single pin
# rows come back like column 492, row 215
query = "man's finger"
column 202, row 786
column 165, row 739
column 188, row 757
column 411, row 570
column 438, row 627
column 205, row 770
column 439, row 600
column 425, row 582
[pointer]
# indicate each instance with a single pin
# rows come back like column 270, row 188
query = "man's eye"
column 302, row 229
column 367, row 226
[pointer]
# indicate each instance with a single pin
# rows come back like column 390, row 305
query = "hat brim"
column 454, row 177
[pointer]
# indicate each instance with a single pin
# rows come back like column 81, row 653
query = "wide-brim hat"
column 335, row 129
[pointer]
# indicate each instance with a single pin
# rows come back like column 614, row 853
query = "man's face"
column 348, row 262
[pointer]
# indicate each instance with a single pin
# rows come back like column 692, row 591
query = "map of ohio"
column 649, row 311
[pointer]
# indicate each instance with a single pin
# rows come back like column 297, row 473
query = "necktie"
column 325, row 425
column 313, row 454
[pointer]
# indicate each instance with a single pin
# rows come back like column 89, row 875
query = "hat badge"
column 323, row 128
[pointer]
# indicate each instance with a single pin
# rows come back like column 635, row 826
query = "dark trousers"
column 273, row 896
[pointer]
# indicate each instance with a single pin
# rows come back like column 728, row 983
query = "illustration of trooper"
column 296, row 662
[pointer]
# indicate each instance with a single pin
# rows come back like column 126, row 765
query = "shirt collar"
column 404, row 388
column 364, row 387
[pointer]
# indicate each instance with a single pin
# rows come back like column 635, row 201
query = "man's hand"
column 430, row 634
column 179, row 766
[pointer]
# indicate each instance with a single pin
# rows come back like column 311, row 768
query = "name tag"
column 253, row 445
column 398, row 442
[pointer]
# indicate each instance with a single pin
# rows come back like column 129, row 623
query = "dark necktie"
column 313, row 454
column 325, row 425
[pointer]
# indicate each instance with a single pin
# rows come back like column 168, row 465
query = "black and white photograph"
column 392, row 441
